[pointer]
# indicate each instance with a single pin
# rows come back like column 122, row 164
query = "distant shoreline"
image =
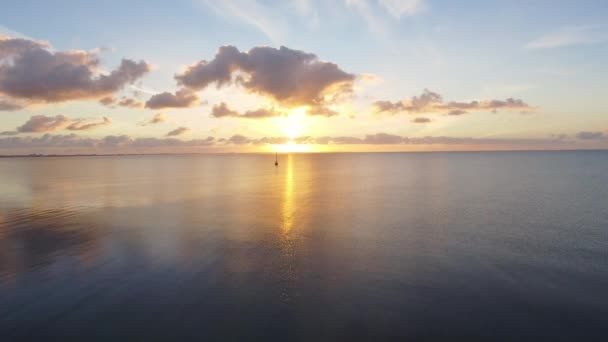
column 36, row 155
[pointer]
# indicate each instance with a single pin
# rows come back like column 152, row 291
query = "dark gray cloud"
column 222, row 110
column 421, row 120
column 432, row 102
column 31, row 71
column 591, row 135
column 290, row 77
column 178, row 131
column 183, row 98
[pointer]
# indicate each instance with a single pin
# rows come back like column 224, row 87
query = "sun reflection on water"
column 288, row 196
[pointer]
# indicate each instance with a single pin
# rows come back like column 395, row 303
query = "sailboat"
column 276, row 159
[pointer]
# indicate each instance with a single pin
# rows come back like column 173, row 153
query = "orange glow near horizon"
column 291, row 146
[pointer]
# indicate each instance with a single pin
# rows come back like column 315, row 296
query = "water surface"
column 507, row 245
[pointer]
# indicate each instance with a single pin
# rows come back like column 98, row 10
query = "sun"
column 293, row 126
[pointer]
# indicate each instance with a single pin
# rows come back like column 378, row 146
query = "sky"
column 80, row 77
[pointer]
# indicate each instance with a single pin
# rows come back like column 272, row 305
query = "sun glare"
column 291, row 146
column 293, row 125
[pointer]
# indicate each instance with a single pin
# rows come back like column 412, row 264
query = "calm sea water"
column 508, row 245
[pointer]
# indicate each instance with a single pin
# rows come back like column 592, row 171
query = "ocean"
column 324, row 247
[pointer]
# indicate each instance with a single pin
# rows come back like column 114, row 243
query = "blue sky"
column 549, row 54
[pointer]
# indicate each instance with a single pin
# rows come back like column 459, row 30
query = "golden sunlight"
column 293, row 124
column 291, row 146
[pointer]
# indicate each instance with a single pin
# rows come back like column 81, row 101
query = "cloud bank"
column 72, row 143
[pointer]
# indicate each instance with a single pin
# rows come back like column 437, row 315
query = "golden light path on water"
column 288, row 197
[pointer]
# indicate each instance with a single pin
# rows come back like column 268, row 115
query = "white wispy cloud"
column 374, row 21
column 308, row 9
column 376, row 12
column 254, row 13
column 569, row 36
column 399, row 8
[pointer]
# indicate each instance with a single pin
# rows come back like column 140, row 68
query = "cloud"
column 6, row 105
column 399, row 8
column 178, row 131
column 32, row 71
column 390, row 139
column 321, row 111
column 255, row 14
column 50, row 142
column 374, row 21
column 72, row 143
column 456, row 112
column 130, row 102
column 570, row 36
column 382, row 138
column 222, row 110
column 238, row 139
column 432, row 102
column 308, row 10
column 107, row 100
column 110, row 101
column 85, row 125
column 183, row 98
column 591, row 135
column 421, row 120
column 156, row 119
column 370, row 139
column 290, row 77
column 42, row 123
column 9, row 133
